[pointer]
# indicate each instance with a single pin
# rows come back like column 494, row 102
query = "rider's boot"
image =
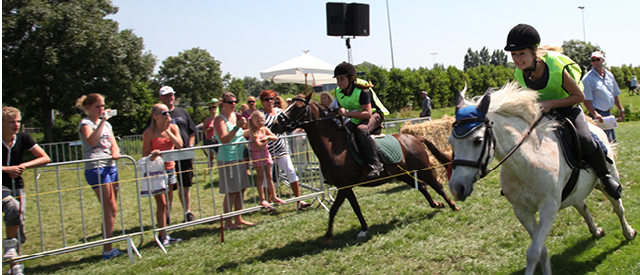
column 370, row 152
column 610, row 183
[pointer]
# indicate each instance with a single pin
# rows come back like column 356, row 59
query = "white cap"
column 597, row 54
column 424, row 92
column 165, row 90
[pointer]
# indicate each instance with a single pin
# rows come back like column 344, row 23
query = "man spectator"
column 14, row 144
column 184, row 168
column 601, row 93
column 426, row 105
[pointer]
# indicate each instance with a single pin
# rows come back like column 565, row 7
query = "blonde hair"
column 255, row 130
column 8, row 111
column 244, row 107
column 542, row 50
column 87, row 100
column 155, row 109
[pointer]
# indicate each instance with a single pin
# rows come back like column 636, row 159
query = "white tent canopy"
column 304, row 69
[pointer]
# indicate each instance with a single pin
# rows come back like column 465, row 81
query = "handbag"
column 154, row 178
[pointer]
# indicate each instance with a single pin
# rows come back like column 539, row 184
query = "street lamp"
column 434, row 59
column 583, row 29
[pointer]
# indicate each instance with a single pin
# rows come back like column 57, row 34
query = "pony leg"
column 332, row 214
column 586, row 215
column 628, row 232
column 356, row 208
column 537, row 252
column 435, row 184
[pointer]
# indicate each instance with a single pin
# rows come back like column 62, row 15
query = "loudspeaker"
column 336, row 19
column 347, row 19
column 358, row 19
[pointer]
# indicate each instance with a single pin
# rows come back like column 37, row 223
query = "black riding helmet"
column 521, row 37
column 344, row 68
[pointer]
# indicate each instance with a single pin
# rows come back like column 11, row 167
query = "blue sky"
column 249, row 36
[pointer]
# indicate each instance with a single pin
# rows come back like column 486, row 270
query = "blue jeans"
column 611, row 134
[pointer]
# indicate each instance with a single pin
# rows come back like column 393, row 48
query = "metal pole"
column 584, row 32
column 434, row 59
column 390, row 39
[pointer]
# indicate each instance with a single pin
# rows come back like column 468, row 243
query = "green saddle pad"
column 389, row 148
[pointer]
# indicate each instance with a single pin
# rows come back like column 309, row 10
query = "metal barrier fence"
column 69, row 215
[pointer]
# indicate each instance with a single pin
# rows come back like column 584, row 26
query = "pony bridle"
column 298, row 122
column 488, row 147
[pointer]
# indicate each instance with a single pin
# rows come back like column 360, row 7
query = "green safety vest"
column 352, row 102
column 557, row 63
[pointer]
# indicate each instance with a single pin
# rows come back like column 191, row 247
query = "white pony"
column 533, row 177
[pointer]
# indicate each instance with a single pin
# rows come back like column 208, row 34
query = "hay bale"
column 437, row 131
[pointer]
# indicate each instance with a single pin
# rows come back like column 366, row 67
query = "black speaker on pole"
column 347, row 19
column 358, row 19
column 336, row 19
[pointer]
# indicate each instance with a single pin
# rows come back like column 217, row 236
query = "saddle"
column 571, row 149
column 389, row 150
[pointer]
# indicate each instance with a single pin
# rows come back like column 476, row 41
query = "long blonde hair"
column 155, row 109
column 255, row 130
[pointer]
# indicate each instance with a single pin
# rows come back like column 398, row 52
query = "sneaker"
column 10, row 248
column 190, row 217
column 111, row 254
column 167, row 240
column 16, row 270
column 302, row 205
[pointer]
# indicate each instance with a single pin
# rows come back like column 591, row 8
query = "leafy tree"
column 580, row 52
column 471, row 59
column 56, row 51
column 485, row 58
column 236, row 86
column 194, row 74
column 498, row 58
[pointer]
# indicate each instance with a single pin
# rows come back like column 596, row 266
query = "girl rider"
column 556, row 78
column 358, row 102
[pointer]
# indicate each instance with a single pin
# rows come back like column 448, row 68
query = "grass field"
column 406, row 236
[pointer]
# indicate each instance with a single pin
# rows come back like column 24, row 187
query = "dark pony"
column 340, row 169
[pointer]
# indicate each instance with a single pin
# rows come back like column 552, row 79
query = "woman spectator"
column 278, row 148
column 161, row 135
column 251, row 102
column 98, row 142
column 233, row 177
column 209, row 131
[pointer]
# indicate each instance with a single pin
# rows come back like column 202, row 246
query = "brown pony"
column 340, row 169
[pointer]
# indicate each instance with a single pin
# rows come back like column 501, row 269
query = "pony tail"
column 80, row 103
column 363, row 86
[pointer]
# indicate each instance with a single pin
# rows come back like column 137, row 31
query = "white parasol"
column 302, row 70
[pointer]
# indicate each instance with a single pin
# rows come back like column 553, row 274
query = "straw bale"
column 437, row 131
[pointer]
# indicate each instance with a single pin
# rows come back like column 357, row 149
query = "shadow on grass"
column 565, row 263
column 316, row 246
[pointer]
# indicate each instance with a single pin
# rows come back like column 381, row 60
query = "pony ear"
column 484, row 103
column 459, row 101
column 309, row 96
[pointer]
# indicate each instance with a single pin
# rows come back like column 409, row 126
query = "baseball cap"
column 213, row 100
column 165, row 90
column 597, row 54
column 424, row 92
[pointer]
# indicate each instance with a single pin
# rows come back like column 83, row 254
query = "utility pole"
column 434, row 59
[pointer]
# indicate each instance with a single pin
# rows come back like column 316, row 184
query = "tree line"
column 56, row 51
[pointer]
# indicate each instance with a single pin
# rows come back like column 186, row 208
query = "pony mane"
column 513, row 100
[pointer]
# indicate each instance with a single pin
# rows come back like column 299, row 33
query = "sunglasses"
column 268, row 98
column 164, row 113
column 230, row 101
column 251, row 101
column 595, row 59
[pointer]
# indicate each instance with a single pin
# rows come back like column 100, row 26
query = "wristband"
column 235, row 128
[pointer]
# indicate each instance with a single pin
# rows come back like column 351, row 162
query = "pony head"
column 472, row 146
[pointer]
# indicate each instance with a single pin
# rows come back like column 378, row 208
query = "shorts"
column 171, row 175
column 12, row 207
column 107, row 175
column 210, row 141
column 184, row 171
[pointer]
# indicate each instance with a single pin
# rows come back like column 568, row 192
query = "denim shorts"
column 107, row 175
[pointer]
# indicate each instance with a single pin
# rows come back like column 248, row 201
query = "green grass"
column 406, row 236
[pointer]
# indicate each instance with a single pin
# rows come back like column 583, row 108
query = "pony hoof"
column 600, row 233
column 437, row 204
column 362, row 234
column 632, row 235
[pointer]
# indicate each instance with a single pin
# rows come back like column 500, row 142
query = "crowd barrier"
column 69, row 215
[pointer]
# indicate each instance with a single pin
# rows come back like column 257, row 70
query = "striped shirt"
column 278, row 147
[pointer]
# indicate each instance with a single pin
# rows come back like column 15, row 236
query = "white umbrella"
column 302, row 70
